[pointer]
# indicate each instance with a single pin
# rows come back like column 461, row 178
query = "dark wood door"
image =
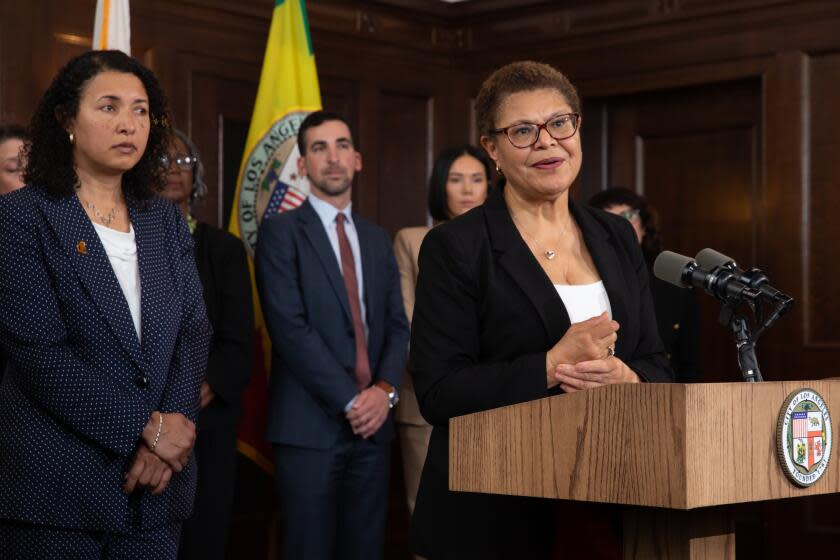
column 693, row 154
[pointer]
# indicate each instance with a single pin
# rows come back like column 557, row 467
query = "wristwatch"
column 391, row 391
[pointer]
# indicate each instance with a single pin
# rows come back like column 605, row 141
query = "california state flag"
column 112, row 26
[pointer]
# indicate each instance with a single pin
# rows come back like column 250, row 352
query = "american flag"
column 800, row 424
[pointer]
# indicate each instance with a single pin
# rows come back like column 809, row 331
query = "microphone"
column 754, row 278
column 684, row 272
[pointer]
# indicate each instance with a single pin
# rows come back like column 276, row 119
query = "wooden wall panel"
column 405, row 151
column 823, row 227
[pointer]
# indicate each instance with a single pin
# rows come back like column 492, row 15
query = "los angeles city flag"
column 112, row 26
column 268, row 181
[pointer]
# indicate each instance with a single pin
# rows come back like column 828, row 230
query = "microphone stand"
column 745, row 340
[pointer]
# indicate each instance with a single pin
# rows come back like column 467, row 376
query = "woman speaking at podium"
column 524, row 297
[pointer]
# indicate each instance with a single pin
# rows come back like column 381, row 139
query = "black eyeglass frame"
column 540, row 127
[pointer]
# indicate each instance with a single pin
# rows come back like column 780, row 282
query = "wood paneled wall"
column 722, row 112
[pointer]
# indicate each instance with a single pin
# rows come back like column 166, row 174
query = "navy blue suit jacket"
column 305, row 305
column 80, row 386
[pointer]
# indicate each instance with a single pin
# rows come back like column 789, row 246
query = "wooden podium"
column 679, row 456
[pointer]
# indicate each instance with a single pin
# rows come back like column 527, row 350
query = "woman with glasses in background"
column 676, row 309
column 522, row 298
column 223, row 270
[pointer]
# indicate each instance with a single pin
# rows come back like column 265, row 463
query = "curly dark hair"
column 618, row 196
column 49, row 153
column 512, row 78
column 438, row 207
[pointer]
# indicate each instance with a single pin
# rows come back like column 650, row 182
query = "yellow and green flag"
column 268, row 180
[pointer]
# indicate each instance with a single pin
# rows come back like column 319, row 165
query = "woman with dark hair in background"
column 223, row 270
column 102, row 319
column 459, row 182
column 676, row 309
column 12, row 138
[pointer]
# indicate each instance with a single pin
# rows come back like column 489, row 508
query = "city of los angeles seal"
column 803, row 437
column 270, row 182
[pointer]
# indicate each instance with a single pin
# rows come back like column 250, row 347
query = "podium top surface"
column 679, row 446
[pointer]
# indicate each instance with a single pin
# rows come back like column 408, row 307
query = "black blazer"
column 223, row 270
column 484, row 317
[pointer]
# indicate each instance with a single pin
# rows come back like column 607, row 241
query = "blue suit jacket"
column 80, row 385
column 305, row 305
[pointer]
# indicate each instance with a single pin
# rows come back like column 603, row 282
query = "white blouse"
column 584, row 301
column 121, row 249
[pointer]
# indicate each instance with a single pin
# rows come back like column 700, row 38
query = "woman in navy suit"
column 102, row 318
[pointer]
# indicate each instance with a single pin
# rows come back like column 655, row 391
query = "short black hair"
column 440, row 175
column 12, row 132
column 621, row 196
column 49, row 153
column 314, row 119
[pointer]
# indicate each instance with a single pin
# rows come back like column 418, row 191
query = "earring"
column 499, row 170
column 72, row 138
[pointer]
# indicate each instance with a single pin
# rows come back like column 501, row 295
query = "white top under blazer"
column 121, row 249
column 584, row 301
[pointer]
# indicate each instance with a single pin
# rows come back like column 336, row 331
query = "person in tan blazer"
column 459, row 183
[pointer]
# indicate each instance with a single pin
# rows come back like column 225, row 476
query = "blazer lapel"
column 518, row 261
column 606, row 261
column 368, row 272
column 77, row 236
column 149, row 258
column 317, row 236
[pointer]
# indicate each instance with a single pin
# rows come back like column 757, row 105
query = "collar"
column 328, row 213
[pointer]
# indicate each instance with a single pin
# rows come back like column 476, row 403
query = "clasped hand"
column 584, row 358
column 153, row 468
column 369, row 411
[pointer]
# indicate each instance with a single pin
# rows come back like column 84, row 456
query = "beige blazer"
column 406, row 250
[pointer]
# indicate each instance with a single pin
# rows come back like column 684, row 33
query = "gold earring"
column 72, row 138
column 499, row 170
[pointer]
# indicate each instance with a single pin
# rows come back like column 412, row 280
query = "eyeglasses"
column 183, row 162
column 629, row 215
column 525, row 135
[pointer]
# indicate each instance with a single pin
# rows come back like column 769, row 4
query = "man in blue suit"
column 330, row 293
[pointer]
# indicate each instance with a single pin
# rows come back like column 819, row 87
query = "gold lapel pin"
column 81, row 247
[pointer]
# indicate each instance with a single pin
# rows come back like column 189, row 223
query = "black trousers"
column 205, row 534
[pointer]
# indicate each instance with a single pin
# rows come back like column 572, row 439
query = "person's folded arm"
column 189, row 358
column 392, row 363
column 444, row 360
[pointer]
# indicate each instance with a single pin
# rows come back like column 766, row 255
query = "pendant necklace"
column 547, row 253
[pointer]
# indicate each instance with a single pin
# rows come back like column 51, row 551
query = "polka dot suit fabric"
column 80, row 386
column 23, row 541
